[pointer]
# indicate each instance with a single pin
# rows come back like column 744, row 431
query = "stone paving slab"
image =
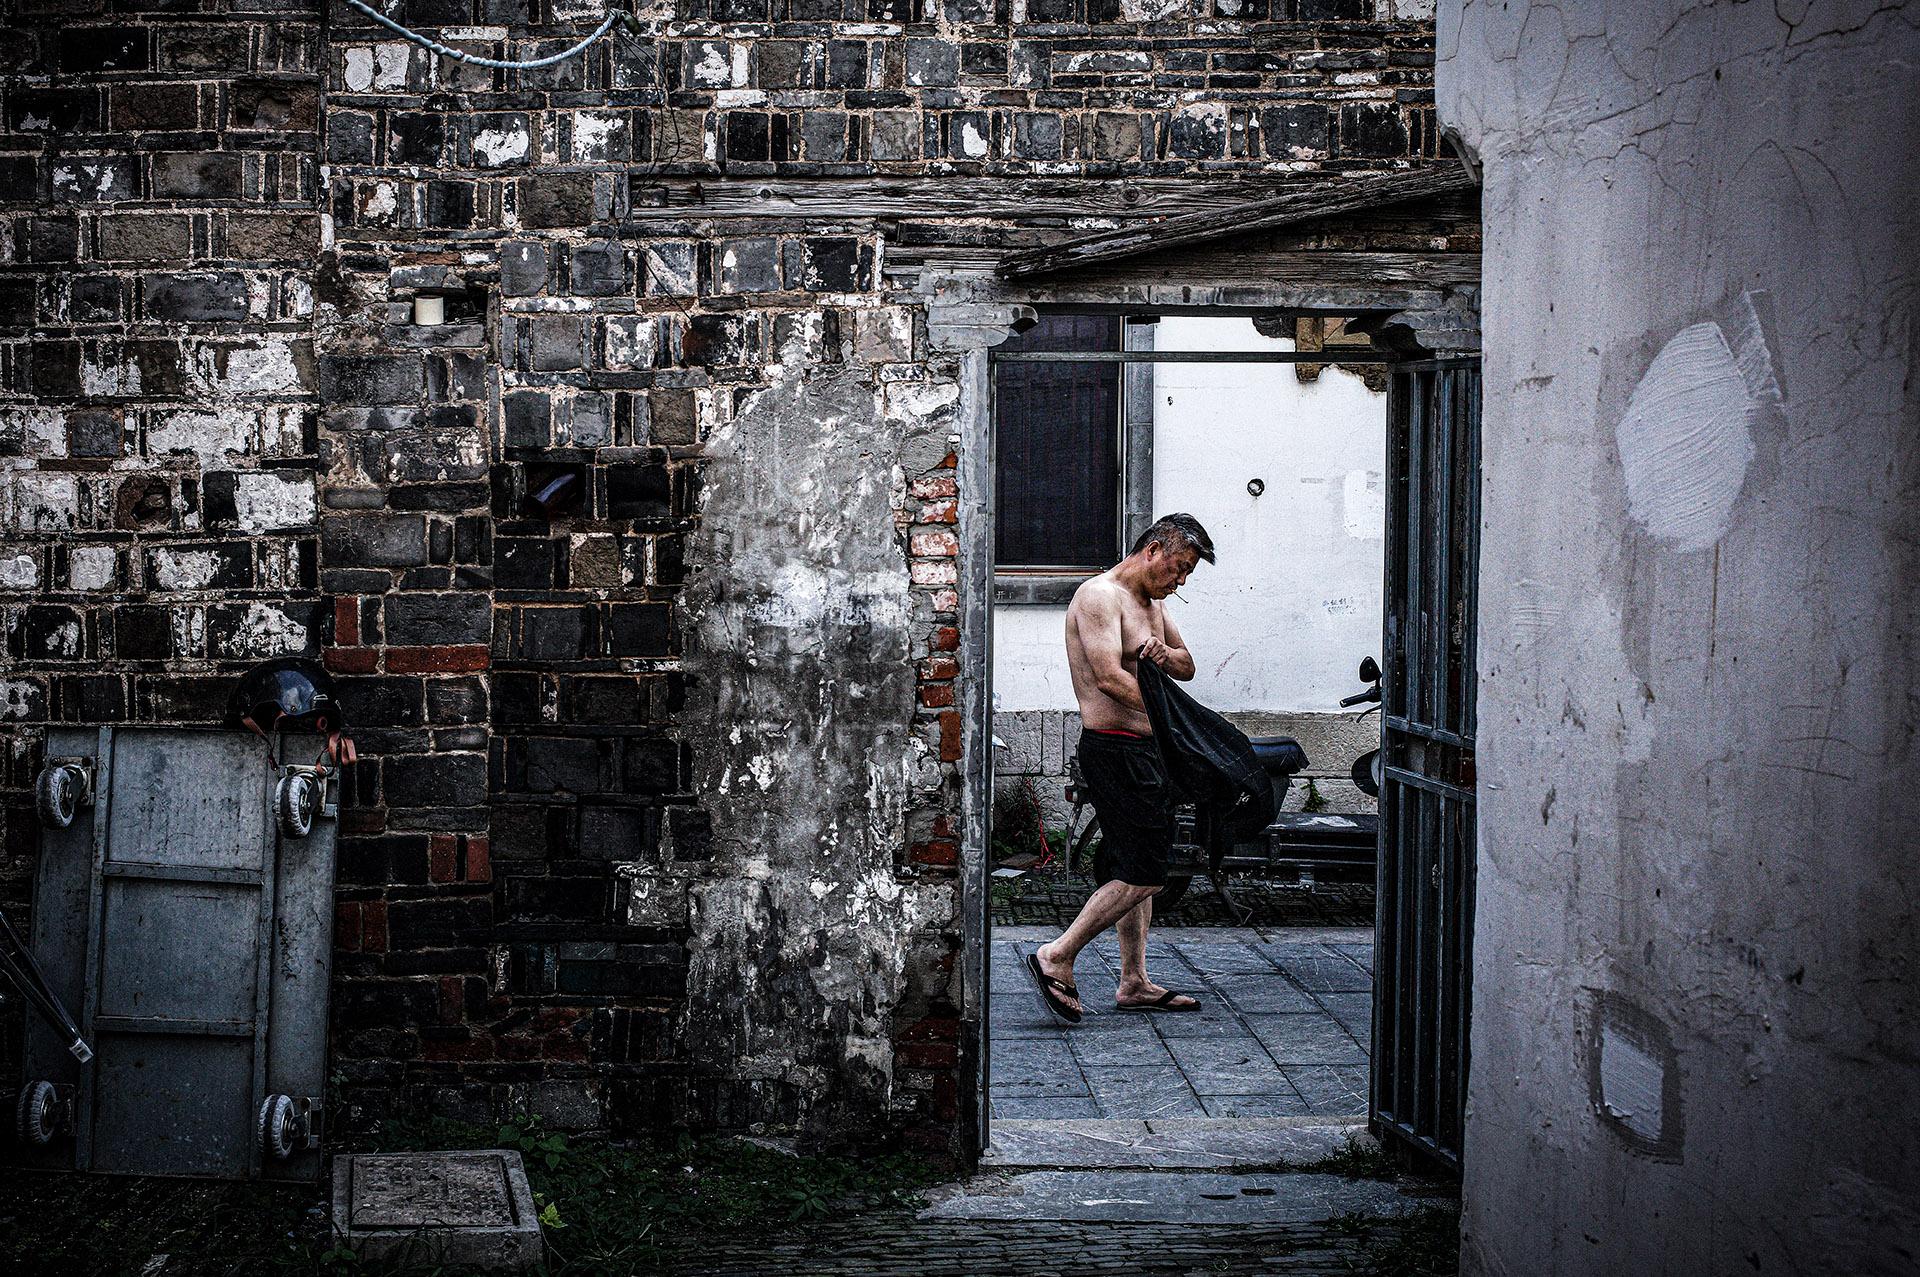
column 1170, row 1197
column 1197, row 1143
column 1283, row 1031
column 471, row 1211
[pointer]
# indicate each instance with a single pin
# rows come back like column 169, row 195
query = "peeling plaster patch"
column 797, row 632
column 972, row 144
column 593, row 136
column 41, row 501
column 91, row 567
column 183, row 569
column 270, row 502
column 108, row 373
column 34, row 432
column 257, row 369
column 210, row 436
column 493, row 148
column 18, row 699
column 1363, row 505
column 1151, row 10
column 19, row 571
column 265, row 631
column 1686, row 441
column 714, row 70
column 357, row 68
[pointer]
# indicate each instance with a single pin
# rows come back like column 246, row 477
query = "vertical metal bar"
column 263, row 968
column 85, row 1095
column 1416, row 552
column 1443, row 528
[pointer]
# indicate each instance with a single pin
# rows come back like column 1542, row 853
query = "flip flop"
column 1045, row 985
column 1162, row 1003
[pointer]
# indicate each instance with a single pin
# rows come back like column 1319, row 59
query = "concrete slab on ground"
column 1174, row 1197
column 1191, row 1144
column 467, row 1210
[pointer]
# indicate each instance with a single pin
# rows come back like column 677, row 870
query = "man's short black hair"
column 1177, row 532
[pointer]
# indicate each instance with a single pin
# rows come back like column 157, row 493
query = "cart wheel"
column 278, row 1128
column 37, row 1118
column 1171, row 894
column 56, row 792
column 293, row 803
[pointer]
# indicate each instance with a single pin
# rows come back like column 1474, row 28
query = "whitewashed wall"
column 1282, row 621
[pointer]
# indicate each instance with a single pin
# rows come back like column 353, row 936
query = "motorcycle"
column 1306, row 845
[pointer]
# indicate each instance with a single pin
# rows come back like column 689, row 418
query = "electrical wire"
column 428, row 43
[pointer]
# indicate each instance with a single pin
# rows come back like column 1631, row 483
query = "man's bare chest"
column 1138, row 623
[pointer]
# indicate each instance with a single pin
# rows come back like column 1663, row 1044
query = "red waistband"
column 1117, row 731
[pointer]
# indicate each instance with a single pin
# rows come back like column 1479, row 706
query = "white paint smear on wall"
column 1281, row 622
column 1686, row 441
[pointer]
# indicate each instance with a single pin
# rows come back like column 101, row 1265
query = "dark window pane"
column 1057, row 440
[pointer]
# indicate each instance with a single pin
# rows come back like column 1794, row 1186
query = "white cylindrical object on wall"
column 429, row 310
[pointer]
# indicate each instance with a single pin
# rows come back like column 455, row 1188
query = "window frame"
column 1052, row 586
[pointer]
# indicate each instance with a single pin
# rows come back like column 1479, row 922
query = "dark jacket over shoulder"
column 1207, row 758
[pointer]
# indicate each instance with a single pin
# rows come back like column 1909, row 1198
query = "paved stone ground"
column 1044, row 1248
column 1282, row 1032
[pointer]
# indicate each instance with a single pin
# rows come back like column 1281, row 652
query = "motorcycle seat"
column 1280, row 755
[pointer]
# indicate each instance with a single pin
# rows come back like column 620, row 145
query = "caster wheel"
column 293, row 802
column 56, row 794
column 37, row 1118
column 278, row 1128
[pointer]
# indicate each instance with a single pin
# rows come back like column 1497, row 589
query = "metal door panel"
column 182, row 806
column 1425, row 878
column 173, row 1105
column 179, row 951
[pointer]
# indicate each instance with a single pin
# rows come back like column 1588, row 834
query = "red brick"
column 936, row 695
column 939, row 851
column 351, row 660
column 373, row 926
column 460, row 659
column 346, row 622
column 940, row 512
column 926, row 1055
column 950, row 736
column 934, row 545
column 939, row 668
column 441, row 863
column 346, row 925
column 363, row 820
column 934, row 487
column 946, row 639
column 479, row 867
column 933, row 1028
column 453, row 999
column 464, row 1047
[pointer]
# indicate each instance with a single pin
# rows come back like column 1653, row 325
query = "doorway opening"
column 1272, row 431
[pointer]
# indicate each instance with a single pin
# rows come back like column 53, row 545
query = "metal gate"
column 189, row 929
column 1422, row 958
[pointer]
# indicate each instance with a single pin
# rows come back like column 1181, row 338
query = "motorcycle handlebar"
column 1371, row 694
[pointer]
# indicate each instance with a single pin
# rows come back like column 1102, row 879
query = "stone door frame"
column 969, row 312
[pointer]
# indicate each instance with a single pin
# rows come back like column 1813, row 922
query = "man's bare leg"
column 1112, row 902
column 1135, row 988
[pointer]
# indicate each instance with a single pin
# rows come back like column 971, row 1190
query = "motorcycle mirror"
column 1369, row 670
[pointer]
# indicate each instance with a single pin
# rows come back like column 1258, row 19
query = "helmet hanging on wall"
column 290, row 694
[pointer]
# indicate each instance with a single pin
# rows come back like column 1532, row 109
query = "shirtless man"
column 1115, row 620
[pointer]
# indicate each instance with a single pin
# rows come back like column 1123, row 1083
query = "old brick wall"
column 624, row 851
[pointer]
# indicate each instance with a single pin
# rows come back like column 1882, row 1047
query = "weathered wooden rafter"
column 1323, row 199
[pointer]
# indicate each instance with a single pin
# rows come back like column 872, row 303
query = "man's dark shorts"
column 1134, row 800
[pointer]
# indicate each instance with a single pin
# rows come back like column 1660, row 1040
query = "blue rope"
column 613, row 16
